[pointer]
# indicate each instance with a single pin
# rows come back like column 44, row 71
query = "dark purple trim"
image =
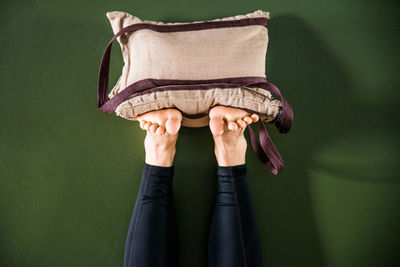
column 274, row 162
column 197, row 26
column 193, row 116
column 187, row 87
column 148, row 84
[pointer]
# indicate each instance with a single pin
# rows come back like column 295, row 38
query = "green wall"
column 69, row 174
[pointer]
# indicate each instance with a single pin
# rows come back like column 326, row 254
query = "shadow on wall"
column 332, row 131
column 327, row 112
column 299, row 64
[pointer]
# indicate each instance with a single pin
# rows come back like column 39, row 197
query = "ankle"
column 160, row 155
column 160, row 150
column 230, row 154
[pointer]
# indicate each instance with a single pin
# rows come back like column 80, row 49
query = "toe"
column 247, row 120
column 153, row 127
column 233, row 126
column 173, row 125
column 147, row 125
column 142, row 123
column 217, row 125
column 160, row 130
column 241, row 123
column 254, row 117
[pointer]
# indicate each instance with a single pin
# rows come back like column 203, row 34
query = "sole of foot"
column 162, row 127
column 227, row 126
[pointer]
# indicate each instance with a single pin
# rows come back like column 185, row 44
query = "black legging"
column 233, row 238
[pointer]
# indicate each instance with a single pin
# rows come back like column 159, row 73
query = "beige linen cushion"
column 199, row 102
column 193, row 66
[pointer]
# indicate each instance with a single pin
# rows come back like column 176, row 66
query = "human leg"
column 233, row 237
column 151, row 239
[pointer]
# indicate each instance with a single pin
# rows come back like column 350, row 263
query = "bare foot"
column 227, row 127
column 162, row 128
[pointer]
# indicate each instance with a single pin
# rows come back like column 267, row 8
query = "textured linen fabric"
column 190, row 55
column 193, row 55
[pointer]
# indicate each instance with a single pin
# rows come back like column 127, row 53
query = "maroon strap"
column 266, row 151
column 286, row 118
column 143, row 85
